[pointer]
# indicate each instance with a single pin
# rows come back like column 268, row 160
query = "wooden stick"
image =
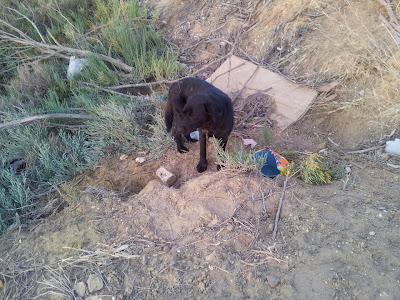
column 278, row 212
column 366, row 150
column 133, row 85
column 44, row 117
column 55, row 48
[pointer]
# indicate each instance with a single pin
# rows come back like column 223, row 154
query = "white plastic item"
column 393, row 147
column 75, row 66
column 195, row 135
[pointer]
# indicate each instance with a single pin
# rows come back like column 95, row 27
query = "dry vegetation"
column 314, row 42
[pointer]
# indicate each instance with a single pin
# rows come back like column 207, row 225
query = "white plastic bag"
column 393, row 147
column 75, row 66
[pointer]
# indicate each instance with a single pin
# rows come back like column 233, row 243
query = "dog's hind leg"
column 202, row 165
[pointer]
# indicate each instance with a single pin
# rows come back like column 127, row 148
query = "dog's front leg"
column 202, row 165
column 179, row 143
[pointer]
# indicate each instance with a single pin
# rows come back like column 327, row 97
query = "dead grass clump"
column 30, row 84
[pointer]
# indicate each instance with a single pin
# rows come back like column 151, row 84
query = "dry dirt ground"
column 120, row 234
column 209, row 237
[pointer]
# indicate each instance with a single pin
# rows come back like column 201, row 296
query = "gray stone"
column 273, row 281
column 94, row 283
column 100, row 297
column 80, row 288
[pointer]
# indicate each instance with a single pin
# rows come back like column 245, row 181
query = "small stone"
column 140, row 159
column 94, row 283
column 166, row 176
column 230, row 227
column 80, row 288
column 100, row 297
column 273, row 281
column 123, row 157
column 372, row 233
column 270, row 227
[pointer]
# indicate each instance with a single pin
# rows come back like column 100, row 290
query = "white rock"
column 372, row 233
column 140, row 159
column 94, row 283
column 80, row 288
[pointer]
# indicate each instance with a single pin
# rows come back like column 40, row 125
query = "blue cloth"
column 270, row 166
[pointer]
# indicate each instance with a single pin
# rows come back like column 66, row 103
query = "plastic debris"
column 393, row 147
column 75, row 66
column 195, row 135
column 273, row 163
column 249, row 142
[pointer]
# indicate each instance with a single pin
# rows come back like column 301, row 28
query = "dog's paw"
column 201, row 167
column 183, row 149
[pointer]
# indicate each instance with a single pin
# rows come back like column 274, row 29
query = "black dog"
column 194, row 104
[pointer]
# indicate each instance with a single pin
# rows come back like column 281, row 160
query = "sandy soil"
column 211, row 238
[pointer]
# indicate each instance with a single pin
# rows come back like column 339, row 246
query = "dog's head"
column 198, row 112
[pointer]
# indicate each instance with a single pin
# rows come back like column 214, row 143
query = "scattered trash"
column 393, row 147
column 195, row 135
column 123, row 157
column 273, row 163
column 237, row 76
column 166, row 176
column 75, row 66
column 140, row 159
column 249, row 142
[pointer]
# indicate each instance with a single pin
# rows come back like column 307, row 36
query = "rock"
column 273, row 281
column 372, row 233
column 140, row 159
column 80, row 288
column 1, row 284
column 123, row 157
column 166, row 176
column 101, row 297
column 94, row 283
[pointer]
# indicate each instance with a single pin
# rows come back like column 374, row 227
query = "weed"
column 266, row 136
column 314, row 171
column 237, row 159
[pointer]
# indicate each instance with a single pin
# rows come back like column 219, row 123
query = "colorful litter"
column 273, row 164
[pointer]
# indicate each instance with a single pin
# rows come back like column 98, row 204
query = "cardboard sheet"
column 240, row 79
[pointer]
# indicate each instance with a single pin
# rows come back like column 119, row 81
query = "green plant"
column 266, row 136
column 237, row 159
column 313, row 170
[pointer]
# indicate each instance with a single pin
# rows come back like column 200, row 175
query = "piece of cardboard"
column 240, row 79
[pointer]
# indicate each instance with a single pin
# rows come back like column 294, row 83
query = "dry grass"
column 312, row 42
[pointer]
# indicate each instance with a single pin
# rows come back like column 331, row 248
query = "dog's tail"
column 169, row 116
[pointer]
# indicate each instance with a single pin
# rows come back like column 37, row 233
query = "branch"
column 31, row 119
column 278, row 212
column 133, row 85
column 44, row 47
